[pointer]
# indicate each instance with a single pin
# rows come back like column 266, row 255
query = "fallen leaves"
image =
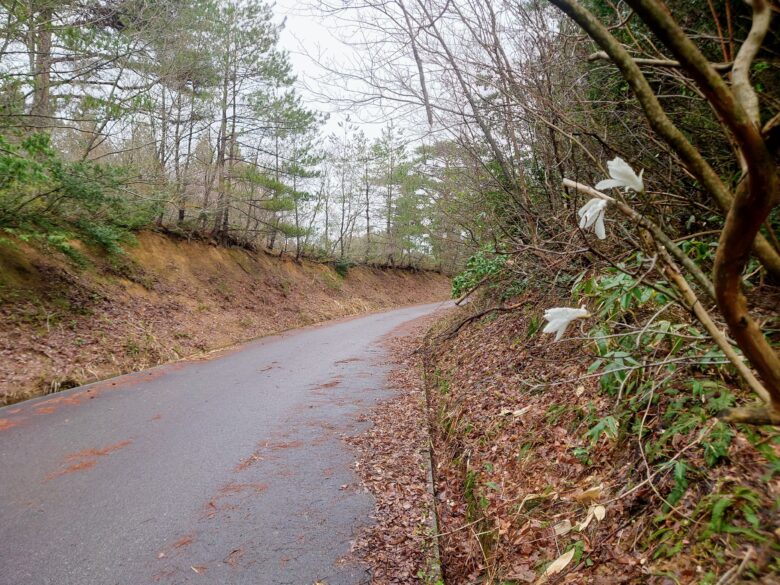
column 589, row 495
column 392, row 467
column 520, row 484
column 522, row 573
column 562, row 528
column 182, row 542
column 234, row 557
column 597, row 512
column 502, row 425
column 237, row 488
column 557, row 565
column 247, row 462
column 121, row 326
column 517, row 412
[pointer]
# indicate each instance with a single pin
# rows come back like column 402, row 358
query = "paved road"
column 223, row 471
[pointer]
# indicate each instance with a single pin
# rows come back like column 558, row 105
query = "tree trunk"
column 40, row 42
column 221, row 154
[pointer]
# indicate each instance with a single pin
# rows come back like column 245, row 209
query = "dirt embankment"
column 64, row 325
column 534, row 486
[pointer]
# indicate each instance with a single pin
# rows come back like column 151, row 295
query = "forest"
column 183, row 116
column 603, row 171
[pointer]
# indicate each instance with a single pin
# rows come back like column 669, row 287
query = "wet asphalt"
column 228, row 470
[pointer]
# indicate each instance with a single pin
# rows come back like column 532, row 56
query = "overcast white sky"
column 312, row 41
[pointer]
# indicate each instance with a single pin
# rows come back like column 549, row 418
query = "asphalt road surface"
column 227, row 470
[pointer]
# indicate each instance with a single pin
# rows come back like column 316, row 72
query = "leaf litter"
column 392, row 466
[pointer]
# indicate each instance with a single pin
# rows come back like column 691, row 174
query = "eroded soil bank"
column 64, row 325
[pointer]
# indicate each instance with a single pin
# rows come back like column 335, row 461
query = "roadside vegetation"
column 604, row 404
column 154, row 157
column 166, row 299
column 603, row 177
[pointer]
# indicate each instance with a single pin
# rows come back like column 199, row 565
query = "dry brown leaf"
column 557, row 565
column 590, row 494
column 518, row 412
column 563, row 527
column 522, row 572
column 584, row 524
column 597, row 512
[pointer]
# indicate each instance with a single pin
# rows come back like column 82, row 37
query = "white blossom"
column 560, row 317
column 592, row 215
column 622, row 175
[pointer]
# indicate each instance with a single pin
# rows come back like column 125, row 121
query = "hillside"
column 601, row 180
column 164, row 299
column 543, row 451
column 551, row 467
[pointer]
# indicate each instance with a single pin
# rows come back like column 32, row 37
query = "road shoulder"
column 393, row 463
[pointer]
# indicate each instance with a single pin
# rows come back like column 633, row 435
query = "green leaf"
column 717, row 517
column 607, row 426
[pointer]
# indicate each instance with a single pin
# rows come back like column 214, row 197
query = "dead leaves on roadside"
column 504, row 447
column 391, row 466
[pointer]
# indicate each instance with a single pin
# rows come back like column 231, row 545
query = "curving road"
column 229, row 470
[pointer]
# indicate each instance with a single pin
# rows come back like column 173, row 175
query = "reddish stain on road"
column 70, row 399
column 237, row 488
column 332, row 384
column 86, row 459
column 6, row 424
column 182, row 542
column 98, row 452
column 177, row 478
column 247, row 462
column 284, row 445
column 80, row 466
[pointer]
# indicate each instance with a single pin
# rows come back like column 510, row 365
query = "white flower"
column 592, row 214
column 560, row 317
column 622, row 176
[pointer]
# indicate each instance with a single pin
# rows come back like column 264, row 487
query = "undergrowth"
column 626, row 409
column 47, row 199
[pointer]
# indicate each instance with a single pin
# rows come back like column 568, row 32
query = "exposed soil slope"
column 65, row 325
